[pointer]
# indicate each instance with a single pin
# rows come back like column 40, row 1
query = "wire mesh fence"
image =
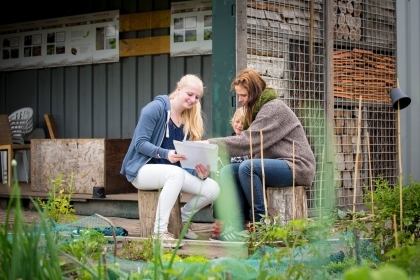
column 364, row 74
column 286, row 45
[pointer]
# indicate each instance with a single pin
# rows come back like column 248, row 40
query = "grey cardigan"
column 280, row 127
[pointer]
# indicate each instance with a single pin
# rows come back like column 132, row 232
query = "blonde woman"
column 152, row 163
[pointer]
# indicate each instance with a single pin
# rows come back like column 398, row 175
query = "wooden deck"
column 123, row 205
column 27, row 192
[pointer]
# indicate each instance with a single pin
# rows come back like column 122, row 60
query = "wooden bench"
column 148, row 201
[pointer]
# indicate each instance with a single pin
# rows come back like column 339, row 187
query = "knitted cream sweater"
column 280, row 127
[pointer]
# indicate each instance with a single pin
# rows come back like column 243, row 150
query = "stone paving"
column 203, row 230
column 202, row 246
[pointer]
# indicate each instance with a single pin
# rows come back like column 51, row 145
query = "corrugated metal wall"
column 103, row 100
column 408, row 69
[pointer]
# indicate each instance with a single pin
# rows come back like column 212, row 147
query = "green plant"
column 137, row 250
column 291, row 237
column 30, row 250
column 407, row 258
column 387, row 272
column 87, row 245
column 266, row 232
column 386, row 202
column 20, row 253
column 58, row 208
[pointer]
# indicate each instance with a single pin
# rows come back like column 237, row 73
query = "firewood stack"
column 345, row 133
column 361, row 72
column 347, row 18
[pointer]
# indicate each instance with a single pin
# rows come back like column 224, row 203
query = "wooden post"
column 293, row 181
column 263, row 174
column 400, row 165
column 370, row 171
column 394, row 218
column 320, row 184
column 357, row 158
column 252, row 179
column 311, row 37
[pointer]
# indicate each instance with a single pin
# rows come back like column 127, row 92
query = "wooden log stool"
column 148, row 201
column 280, row 203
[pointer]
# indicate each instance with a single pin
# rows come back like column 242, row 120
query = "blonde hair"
column 191, row 118
column 239, row 114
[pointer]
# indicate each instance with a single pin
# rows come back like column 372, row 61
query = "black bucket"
column 398, row 95
column 99, row 192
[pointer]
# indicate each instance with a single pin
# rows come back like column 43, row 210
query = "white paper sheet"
column 197, row 153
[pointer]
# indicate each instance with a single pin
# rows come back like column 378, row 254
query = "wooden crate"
column 94, row 162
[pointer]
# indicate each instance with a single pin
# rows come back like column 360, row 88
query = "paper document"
column 197, row 153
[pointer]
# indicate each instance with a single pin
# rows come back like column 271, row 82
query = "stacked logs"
column 345, row 132
column 361, row 72
column 347, row 18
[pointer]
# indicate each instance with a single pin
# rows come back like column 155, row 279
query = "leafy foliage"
column 28, row 251
column 85, row 246
column 58, row 207
column 407, row 258
column 386, row 200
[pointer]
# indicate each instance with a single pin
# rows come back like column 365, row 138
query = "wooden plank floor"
column 27, row 192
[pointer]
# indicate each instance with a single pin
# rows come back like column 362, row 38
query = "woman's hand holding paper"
column 174, row 157
column 202, row 172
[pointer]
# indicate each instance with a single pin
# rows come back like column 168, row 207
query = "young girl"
column 237, row 123
column 152, row 163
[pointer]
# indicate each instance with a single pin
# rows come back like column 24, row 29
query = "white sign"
column 66, row 41
column 191, row 28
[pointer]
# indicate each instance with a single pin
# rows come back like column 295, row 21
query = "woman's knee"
column 245, row 167
column 175, row 173
column 211, row 189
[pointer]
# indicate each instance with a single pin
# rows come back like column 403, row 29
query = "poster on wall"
column 191, row 28
column 10, row 48
column 66, row 41
column 79, row 44
column 55, row 47
column 106, row 42
column 31, row 50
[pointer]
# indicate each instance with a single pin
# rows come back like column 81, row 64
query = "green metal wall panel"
column 224, row 65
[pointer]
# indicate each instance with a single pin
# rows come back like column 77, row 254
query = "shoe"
column 216, row 230
column 229, row 234
column 249, row 227
column 167, row 239
column 190, row 234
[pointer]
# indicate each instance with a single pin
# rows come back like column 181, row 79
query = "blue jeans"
column 236, row 186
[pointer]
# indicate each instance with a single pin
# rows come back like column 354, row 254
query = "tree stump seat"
column 148, row 201
column 280, row 203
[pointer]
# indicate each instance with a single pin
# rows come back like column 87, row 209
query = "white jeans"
column 172, row 179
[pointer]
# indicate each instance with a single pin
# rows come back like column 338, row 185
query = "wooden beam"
column 145, row 21
column 145, row 46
